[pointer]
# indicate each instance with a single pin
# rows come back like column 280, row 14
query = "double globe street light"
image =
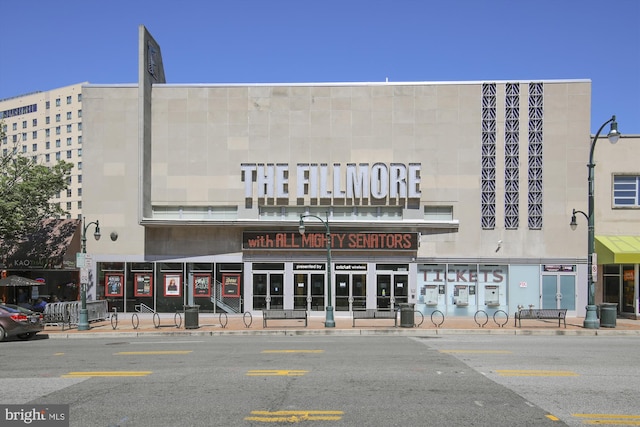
column 329, row 321
column 591, row 319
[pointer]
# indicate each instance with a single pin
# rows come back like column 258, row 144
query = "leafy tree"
column 26, row 190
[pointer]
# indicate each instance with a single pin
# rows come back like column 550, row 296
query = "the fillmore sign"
column 361, row 181
column 259, row 240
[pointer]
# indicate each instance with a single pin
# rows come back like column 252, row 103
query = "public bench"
column 375, row 314
column 541, row 313
column 283, row 314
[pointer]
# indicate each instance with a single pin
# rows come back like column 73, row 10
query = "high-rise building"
column 48, row 127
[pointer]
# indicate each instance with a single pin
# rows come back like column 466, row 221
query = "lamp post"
column 591, row 320
column 329, row 321
column 83, row 320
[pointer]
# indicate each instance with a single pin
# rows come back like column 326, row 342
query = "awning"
column 618, row 249
column 19, row 281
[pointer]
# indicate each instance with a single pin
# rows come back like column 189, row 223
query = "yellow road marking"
column 58, row 354
column 552, row 417
column 610, row 419
column 275, row 372
column 478, row 351
column 294, row 416
column 137, row 353
column 107, row 374
column 292, row 351
column 534, row 373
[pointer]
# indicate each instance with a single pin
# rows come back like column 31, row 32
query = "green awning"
column 618, row 249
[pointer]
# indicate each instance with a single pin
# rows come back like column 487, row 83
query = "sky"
column 47, row 44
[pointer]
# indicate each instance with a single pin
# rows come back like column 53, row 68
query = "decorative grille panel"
column 488, row 175
column 536, row 114
column 511, row 155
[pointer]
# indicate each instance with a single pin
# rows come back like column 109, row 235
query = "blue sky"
column 49, row 44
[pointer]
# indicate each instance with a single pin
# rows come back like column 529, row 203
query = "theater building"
column 453, row 196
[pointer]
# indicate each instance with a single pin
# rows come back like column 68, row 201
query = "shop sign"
column 231, row 285
column 258, row 240
column 558, row 268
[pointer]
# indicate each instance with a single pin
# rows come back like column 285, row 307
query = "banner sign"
column 258, row 240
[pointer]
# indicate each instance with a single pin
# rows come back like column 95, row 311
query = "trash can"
column 406, row 315
column 608, row 314
column 191, row 314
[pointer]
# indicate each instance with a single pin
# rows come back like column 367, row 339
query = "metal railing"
column 68, row 312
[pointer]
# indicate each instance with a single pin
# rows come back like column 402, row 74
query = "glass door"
column 343, row 287
column 301, row 289
column 383, row 292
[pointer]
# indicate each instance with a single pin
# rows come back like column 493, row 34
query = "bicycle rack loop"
column 135, row 321
column 114, row 319
column 439, row 318
column 247, row 318
column 417, row 325
column 177, row 320
column 506, row 318
column 481, row 316
column 226, row 319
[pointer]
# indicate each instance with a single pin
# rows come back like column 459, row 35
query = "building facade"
column 48, row 127
column 453, row 196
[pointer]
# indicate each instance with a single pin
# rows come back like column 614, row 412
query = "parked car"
column 20, row 322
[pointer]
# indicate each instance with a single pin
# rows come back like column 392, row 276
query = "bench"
column 285, row 314
column 541, row 313
column 375, row 314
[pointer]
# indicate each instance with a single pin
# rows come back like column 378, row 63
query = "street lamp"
column 329, row 321
column 591, row 320
column 83, row 320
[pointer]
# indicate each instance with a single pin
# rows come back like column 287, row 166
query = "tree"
column 26, row 190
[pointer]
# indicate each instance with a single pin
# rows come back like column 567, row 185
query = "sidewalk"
column 210, row 324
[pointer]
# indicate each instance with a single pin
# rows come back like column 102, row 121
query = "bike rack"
column 506, row 318
column 245, row 316
column 417, row 325
column 226, row 319
column 177, row 320
column 478, row 320
column 439, row 317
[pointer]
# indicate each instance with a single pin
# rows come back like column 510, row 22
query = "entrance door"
column 559, row 291
column 351, row 292
column 383, row 292
column 309, row 297
column 268, row 291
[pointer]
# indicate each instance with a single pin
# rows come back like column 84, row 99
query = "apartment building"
column 48, row 127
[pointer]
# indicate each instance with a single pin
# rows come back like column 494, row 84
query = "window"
column 79, row 113
column 57, row 117
column 68, row 128
column 24, row 136
column 47, row 145
column 79, row 97
column 79, row 179
column 57, row 143
column 47, row 120
column 57, row 102
column 34, row 147
column 79, row 204
column 79, row 191
column 24, row 124
column 47, row 105
column 34, row 134
column 68, row 154
column 34, row 122
column 68, row 115
column 79, row 152
column 47, row 132
column 47, row 157
column 57, row 155
column 14, row 126
column 79, row 166
column 68, row 192
column 14, row 138
column 24, row 148
column 80, row 126
column 69, row 141
column 68, row 99
column 80, row 139
column 68, row 206
column 626, row 191
column 57, row 130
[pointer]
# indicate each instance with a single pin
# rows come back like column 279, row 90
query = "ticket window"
column 431, row 295
column 491, row 295
column 461, row 295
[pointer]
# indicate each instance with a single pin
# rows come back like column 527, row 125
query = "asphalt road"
column 456, row 380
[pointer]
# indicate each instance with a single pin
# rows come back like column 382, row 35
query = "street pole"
column 329, row 321
column 83, row 318
column 591, row 320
